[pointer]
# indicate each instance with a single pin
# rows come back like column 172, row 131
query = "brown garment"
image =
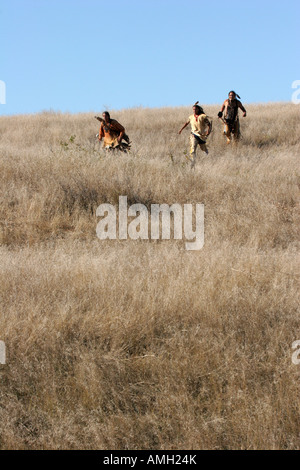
column 231, row 109
column 234, row 129
column 231, row 118
column 110, row 132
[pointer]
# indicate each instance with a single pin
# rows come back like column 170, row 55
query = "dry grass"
column 142, row 344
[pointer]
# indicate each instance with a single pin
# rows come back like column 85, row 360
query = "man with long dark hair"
column 112, row 133
column 200, row 130
column 231, row 108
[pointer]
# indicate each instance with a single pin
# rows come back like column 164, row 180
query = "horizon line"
column 105, row 108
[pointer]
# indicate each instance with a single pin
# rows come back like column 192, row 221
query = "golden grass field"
column 141, row 344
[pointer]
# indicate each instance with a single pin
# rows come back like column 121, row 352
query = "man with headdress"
column 200, row 130
column 231, row 108
column 112, row 133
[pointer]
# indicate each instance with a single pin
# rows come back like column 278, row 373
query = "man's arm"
column 101, row 132
column 206, row 123
column 183, row 127
column 209, row 126
column 220, row 114
column 242, row 108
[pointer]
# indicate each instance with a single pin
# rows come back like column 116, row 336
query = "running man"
column 112, row 133
column 200, row 130
column 231, row 108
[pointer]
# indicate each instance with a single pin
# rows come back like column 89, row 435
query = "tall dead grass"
column 142, row 344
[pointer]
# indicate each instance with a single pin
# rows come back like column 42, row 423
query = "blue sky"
column 87, row 55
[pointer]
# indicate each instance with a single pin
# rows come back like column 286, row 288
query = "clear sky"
column 89, row 55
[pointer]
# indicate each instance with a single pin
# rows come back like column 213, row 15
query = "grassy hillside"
column 142, row 344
